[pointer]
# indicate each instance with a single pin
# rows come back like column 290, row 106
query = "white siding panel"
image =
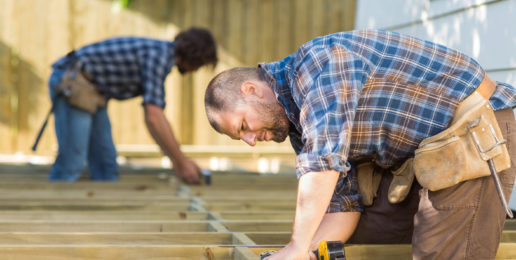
column 382, row 14
column 486, row 33
column 393, row 13
column 482, row 29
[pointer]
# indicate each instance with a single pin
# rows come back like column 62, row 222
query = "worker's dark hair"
column 223, row 91
column 196, row 46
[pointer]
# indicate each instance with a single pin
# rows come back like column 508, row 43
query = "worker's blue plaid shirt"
column 127, row 67
column 371, row 95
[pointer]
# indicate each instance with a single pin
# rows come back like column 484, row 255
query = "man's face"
column 255, row 121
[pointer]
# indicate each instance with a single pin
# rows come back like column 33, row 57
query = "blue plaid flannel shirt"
column 370, row 95
column 126, row 67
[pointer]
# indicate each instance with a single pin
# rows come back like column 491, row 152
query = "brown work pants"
column 461, row 222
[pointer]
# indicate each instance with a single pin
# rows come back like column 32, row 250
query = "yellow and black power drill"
column 328, row 250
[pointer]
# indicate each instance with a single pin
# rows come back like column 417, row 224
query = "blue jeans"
column 81, row 137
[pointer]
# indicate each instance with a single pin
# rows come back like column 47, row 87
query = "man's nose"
column 249, row 138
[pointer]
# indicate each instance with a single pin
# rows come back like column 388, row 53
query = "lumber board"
column 9, row 184
column 282, row 238
column 509, row 236
column 146, row 217
column 94, row 202
column 105, row 226
column 117, row 252
column 258, row 226
column 397, row 251
column 266, row 205
column 96, row 216
column 140, row 238
column 245, row 194
column 269, row 238
column 81, row 194
column 510, row 224
column 94, row 207
column 256, row 215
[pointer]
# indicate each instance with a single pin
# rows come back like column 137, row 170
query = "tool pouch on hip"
column 79, row 91
column 368, row 182
column 460, row 152
column 402, row 180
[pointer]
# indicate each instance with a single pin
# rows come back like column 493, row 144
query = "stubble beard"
column 277, row 120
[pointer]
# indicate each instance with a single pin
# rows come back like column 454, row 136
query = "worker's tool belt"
column 461, row 152
column 79, row 91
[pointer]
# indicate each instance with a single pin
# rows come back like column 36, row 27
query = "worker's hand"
column 187, row 170
column 292, row 252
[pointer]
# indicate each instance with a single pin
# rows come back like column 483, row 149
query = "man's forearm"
column 314, row 194
column 161, row 132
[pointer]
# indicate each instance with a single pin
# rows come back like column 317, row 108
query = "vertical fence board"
column 247, row 32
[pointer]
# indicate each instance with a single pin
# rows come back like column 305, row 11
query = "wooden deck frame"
column 149, row 217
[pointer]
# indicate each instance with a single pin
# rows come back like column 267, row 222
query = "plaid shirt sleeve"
column 153, row 73
column 327, row 107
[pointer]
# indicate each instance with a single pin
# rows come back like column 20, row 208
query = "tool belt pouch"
column 79, row 91
column 368, row 182
column 461, row 152
column 402, row 180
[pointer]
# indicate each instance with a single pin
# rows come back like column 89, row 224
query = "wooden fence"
column 34, row 33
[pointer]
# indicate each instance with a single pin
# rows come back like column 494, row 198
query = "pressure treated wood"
column 125, row 252
column 150, row 217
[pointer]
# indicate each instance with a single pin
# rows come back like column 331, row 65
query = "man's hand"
column 187, row 170
column 292, row 252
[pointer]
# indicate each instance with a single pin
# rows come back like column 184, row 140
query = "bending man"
column 370, row 97
column 120, row 68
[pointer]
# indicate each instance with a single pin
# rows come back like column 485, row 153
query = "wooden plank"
column 71, row 194
column 506, row 251
column 302, row 21
column 269, row 238
column 105, row 226
column 282, row 238
column 42, row 207
column 116, row 252
column 99, row 216
column 63, row 203
column 266, row 205
column 45, row 185
column 257, row 215
column 250, row 32
column 396, row 251
column 258, row 226
column 243, row 253
column 235, row 37
column 284, row 29
column 111, row 239
column 510, row 224
column 267, row 42
column 509, row 236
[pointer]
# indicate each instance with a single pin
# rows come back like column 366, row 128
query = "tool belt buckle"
column 497, row 142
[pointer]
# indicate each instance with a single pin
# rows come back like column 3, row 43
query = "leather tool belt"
column 79, row 91
column 457, row 154
column 461, row 152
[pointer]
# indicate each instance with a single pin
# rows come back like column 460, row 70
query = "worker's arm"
column 160, row 130
column 337, row 226
column 314, row 193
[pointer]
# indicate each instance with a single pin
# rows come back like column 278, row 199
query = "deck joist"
column 147, row 216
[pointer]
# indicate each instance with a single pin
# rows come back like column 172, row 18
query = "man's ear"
column 251, row 88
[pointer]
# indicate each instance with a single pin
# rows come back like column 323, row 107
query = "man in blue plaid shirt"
column 368, row 96
column 123, row 68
